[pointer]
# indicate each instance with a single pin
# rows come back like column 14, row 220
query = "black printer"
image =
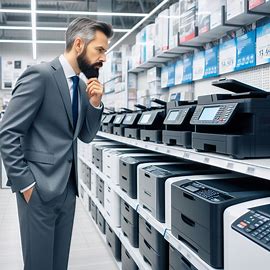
column 128, row 170
column 107, row 120
column 233, row 124
column 197, row 211
column 118, row 127
column 151, row 122
column 153, row 246
column 131, row 129
column 152, row 180
column 178, row 129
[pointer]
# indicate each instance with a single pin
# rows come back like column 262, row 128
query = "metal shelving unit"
column 160, row 227
column 254, row 167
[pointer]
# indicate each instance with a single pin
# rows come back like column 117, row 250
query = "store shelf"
column 103, row 236
column 186, row 252
column 134, row 252
column 262, row 9
column 254, row 167
column 132, row 202
column 112, row 79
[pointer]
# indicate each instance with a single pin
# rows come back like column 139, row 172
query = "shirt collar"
column 68, row 70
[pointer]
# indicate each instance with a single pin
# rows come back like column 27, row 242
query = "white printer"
column 247, row 235
column 110, row 164
column 112, row 205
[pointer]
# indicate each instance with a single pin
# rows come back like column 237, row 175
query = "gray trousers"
column 46, row 229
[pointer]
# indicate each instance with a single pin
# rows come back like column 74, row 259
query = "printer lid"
column 239, row 89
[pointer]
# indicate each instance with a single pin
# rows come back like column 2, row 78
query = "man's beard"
column 89, row 70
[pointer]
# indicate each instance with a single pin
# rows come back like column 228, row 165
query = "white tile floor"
column 88, row 250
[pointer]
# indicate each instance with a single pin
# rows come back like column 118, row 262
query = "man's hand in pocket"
column 28, row 194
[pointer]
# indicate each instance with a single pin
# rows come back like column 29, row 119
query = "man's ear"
column 78, row 45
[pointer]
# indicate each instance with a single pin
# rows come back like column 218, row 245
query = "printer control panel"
column 206, row 192
column 255, row 226
column 176, row 116
column 216, row 114
column 157, row 171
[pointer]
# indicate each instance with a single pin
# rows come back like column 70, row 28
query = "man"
column 50, row 108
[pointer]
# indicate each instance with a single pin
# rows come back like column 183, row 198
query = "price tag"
column 206, row 160
column 168, row 151
column 186, row 155
column 146, row 145
column 156, row 148
column 230, row 165
column 250, row 170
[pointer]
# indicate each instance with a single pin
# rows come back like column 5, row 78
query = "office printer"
column 107, row 121
column 151, row 122
column 118, row 127
column 130, row 122
column 197, row 211
column 152, row 178
column 178, row 129
column 98, row 152
column 213, row 173
column 111, row 160
column 233, row 124
column 246, row 235
column 128, row 170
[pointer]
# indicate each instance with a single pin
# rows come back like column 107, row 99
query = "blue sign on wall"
column 245, row 49
column 187, row 61
column 211, row 62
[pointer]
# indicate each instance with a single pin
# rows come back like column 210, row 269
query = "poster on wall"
column 211, row 62
column 245, row 47
column 227, row 56
column 198, row 65
column 164, row 76
column 11, row 71
column 187, row 63
column 179, row 71
column 263, row 45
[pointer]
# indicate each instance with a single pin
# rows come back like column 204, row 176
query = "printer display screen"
column 128, row 118
column 209, row 114
column 145, row 118
column 173, row 115
column 118, row 119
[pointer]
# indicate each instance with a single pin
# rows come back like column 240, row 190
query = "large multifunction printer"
column 178, row 129
column 197, row 211
column 152, row 178
column 128, row 170
column 247, row 235
column 131, row 129
column 151, row 122
column 118, row 127
column 235, row 124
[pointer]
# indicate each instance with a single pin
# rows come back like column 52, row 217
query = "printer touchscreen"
column 118, row 119
column 128, row 118
column 173, row 115
column 209, row 113
column 145, row 118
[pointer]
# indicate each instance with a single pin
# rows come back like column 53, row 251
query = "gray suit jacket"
column 37, row 137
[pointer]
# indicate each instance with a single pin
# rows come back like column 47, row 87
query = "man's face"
column 93, row 55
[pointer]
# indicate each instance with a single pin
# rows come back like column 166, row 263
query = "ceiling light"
column 15, row 41
column 5, row 10
column 34, row 31
column 51, row 41
column 6, row 27
column 90, row 13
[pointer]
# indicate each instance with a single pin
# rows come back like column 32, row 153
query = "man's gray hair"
column 85, row 28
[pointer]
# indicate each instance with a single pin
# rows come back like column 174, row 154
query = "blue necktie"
column 75, row 80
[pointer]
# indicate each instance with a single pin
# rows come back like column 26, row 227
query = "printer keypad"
column 256, row 227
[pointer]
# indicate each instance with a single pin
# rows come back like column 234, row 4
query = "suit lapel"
column 62, row 86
